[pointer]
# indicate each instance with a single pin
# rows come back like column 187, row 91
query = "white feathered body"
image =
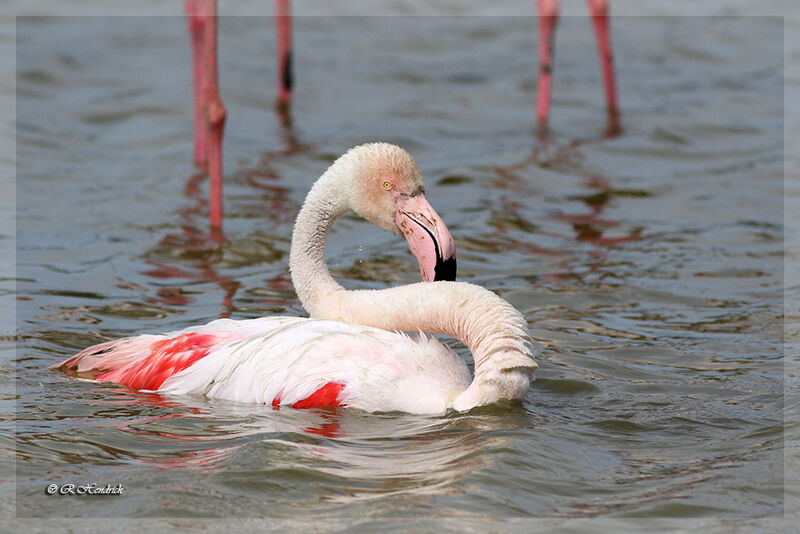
column 287, row 360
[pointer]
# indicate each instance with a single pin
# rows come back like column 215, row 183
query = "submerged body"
column 295, row 361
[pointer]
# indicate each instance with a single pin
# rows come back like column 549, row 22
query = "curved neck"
column 310, row 275
column 491, row 328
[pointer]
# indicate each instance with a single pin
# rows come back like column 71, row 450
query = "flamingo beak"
column 428, row 238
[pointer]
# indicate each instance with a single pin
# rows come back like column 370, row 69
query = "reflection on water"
column 349, row 454
column 648, row 260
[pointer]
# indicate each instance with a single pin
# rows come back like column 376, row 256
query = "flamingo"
column 352, row 351
column 548, row 18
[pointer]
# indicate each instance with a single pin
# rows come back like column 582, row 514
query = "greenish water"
column 649, row 264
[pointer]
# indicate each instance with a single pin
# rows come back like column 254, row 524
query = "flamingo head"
column 387, row 191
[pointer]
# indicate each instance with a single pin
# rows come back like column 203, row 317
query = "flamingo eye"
column 387, row 185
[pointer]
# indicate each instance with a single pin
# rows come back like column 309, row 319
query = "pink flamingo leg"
column 215, row 123
column 209, row 111
column 197, row 35
column 599, row 10
column 548, row 18
column 283, row 20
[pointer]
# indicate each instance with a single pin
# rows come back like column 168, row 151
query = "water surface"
column 648, row 263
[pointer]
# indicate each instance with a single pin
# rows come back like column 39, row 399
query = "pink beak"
column 428, row 238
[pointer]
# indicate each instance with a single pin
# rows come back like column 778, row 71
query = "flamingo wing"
column 146, row 361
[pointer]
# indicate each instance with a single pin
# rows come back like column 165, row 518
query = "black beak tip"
column 445, row 269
